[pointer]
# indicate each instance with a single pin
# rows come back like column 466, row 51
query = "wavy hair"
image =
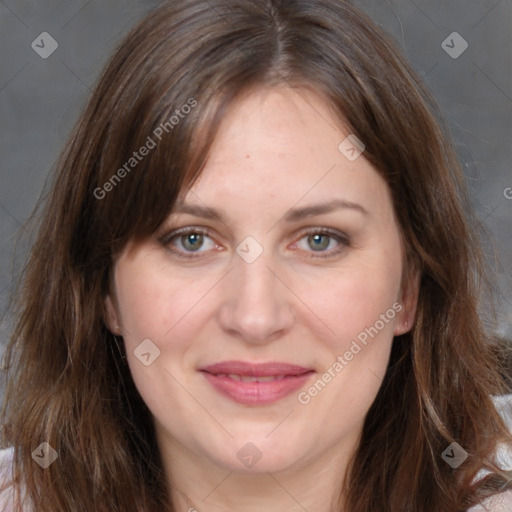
column 68, row 384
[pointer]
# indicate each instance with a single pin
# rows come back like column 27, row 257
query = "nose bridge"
column 255, row 306
column 255, row 282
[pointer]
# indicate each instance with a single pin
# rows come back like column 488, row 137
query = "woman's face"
column 258, row 335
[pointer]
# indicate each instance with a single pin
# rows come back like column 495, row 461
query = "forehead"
column 278, row 146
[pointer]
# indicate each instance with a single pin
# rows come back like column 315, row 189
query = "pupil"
column 193, row 241
column 319, row 241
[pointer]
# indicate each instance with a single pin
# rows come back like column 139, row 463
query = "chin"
column 257, row 454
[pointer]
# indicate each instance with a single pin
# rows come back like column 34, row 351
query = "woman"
column 254, row 285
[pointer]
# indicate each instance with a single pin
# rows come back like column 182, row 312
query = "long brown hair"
column 68, row 384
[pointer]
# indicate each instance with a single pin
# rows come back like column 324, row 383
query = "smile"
column 256, row 383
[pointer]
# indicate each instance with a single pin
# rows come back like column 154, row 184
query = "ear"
column 111, row 316
column 409, row 300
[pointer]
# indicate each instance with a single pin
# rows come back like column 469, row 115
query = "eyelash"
column 341, row 238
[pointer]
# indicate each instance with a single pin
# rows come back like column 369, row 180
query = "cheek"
column 362, row 299
column 157, row 305
column 361, row 310
column 357, row 299
column 363, row 313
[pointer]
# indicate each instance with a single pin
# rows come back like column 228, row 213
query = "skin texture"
column 277, row 150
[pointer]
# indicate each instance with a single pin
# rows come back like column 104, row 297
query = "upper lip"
column 255, row 369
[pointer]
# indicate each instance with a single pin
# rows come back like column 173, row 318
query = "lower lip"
column 257, row 393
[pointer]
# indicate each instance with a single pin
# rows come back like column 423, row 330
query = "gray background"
column 41, row 98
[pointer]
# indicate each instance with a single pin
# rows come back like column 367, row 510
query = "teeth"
column 249, row 378
column 269, row 378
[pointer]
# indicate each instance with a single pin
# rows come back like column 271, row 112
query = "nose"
column 256, row 306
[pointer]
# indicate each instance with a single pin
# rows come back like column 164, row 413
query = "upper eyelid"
column 168, row 236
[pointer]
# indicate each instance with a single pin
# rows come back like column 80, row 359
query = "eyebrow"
column 322, row 208
column 293, row 215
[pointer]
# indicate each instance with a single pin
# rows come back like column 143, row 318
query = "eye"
column 323, row 241
column 189, row 241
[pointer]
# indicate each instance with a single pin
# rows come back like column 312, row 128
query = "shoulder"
column 7, row 494
column 501, row 502
column 6, row 488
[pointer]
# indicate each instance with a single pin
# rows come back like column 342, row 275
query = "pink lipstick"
column 256, row 383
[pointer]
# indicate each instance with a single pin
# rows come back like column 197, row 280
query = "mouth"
column 256, row 383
